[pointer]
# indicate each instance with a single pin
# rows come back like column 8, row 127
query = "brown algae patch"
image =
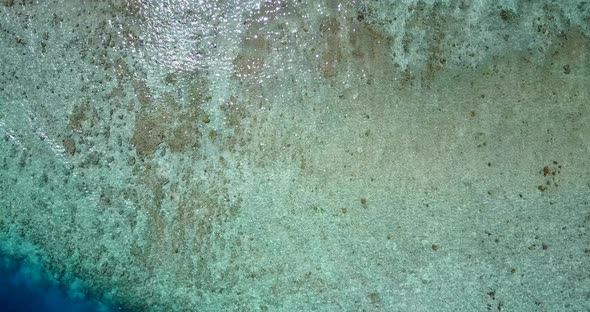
column 170, row 124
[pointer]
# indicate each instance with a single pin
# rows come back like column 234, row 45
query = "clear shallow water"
column 288, row 156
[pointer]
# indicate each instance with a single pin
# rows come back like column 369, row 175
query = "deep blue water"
column 24, row 288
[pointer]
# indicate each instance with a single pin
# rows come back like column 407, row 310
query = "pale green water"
column 289, row 156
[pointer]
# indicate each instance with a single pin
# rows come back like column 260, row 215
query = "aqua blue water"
column 286, row 155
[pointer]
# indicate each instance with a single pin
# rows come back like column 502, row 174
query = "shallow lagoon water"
column 289, row 155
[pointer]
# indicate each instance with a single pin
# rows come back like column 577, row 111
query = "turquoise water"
column 295, row 156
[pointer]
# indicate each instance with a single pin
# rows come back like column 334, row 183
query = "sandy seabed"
column 289, row 156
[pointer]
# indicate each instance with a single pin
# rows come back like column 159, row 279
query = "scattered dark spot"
column 492, row 294
column 92, row 159
column 375, row 298
column 435, row 247
column 541, row 187
column 364, row 202
column 544, row 246
column 506, row 15
column 106, row 197
column 513, row 270
column 343, row 210
column 567, row 69
column 360, row 17
column 21, row 41
column 546, row 171
column 44, row 178
column 170, row 79
column 70, row 145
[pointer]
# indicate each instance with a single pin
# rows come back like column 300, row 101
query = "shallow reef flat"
column 299, row 156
